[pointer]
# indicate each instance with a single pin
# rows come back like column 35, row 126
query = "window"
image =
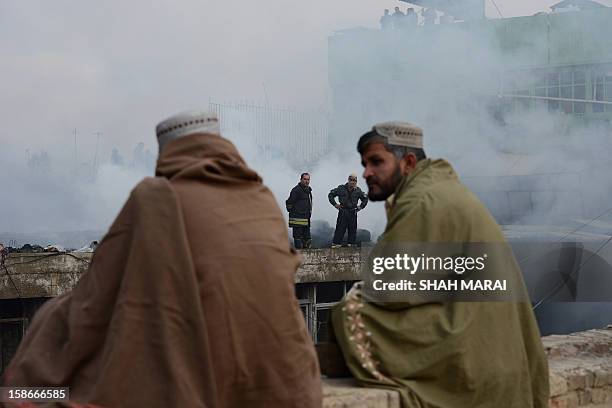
column 602, row 91
column 608, row 91
column 540, row 90
column 562, row 90
column 11, row 332
column 598, row 93
column 553, row 91
column 566, row 93
column 566, row 85
column 523, row 103
column 323, row 326
column 517, row 83
column 330, row 292
column 579, row 91
column 316, row 300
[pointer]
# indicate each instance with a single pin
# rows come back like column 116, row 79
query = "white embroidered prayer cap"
column 400, row 133
column 187, row 123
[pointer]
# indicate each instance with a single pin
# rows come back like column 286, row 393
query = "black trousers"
column 301, row 237
column 347, row 219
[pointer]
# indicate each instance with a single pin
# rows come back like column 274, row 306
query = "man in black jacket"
column 299, row 205
column 348, row 196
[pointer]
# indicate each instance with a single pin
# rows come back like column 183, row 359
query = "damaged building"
column 493, row 90
column 559, row 63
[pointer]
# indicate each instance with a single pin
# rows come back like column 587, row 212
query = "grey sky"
column 119, row 67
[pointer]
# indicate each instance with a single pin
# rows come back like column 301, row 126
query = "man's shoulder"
column 449, row 208
column 451, row 192
column 448, row 198
column 151, row 186
column 299, row 189
column 151, row 198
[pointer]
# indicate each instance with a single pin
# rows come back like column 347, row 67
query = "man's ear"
column 408, row 163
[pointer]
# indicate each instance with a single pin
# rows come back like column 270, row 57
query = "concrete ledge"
column 346, row 393
column 329, row 265
column 49, row 274
column 580, row 376
column 45, row 274
column 580, row 369
column 580, row 363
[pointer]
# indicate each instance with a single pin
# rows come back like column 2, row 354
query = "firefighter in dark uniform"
column 299, row 205
column 348, row 196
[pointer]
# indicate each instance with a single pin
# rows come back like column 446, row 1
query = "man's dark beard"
column 387, row 187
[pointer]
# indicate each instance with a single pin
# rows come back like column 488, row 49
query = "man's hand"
column 338, row 206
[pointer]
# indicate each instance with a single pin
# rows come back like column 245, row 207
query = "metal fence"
column 300, row 137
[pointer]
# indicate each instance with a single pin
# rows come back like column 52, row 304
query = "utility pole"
column 76, row 157
column 95, row 160
column 265, row 93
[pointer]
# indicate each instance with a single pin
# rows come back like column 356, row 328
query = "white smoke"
column 528, row 165
column 101, row 72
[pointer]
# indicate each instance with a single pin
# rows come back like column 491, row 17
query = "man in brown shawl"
column 438, row 353
column 189, row 300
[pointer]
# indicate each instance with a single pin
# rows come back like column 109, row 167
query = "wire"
column 34, row 260
column 558, row 287
column 4, row 265
column 76, row 257
column 12, row 283
column 50, row 256
column 497, row 8
column 570, row 233
column 29, row 262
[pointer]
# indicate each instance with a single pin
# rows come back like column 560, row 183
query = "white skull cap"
column 400, row 133
column 187, row 123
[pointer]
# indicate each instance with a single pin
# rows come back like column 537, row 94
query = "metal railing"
column 300, row 137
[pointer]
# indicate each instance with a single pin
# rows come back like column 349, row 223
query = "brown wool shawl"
column 189, row 300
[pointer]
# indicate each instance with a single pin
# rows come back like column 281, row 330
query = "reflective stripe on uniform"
column 298, row 222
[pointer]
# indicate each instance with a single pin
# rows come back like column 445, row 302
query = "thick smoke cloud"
column 529, row 165
column 117, row 69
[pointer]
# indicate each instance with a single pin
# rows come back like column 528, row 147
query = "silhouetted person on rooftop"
column 386, row 22
column 411, row 19
column 429, row 16
column 398, row 18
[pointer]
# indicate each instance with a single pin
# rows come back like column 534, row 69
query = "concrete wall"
column 41, row 274
column 51, row 274
column 580, row 363
column 326, row 265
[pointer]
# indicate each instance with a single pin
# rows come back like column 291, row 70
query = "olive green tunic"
column 453, row 354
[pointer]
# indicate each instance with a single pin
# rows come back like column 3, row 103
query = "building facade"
column 522, row 93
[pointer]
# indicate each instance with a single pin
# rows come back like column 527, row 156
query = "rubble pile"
column 52, row 248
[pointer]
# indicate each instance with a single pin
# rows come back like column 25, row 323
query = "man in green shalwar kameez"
column 445, row 354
